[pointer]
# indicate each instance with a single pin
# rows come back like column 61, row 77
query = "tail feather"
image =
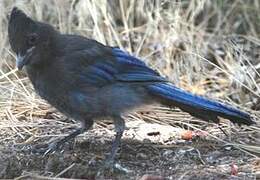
column 198, row 106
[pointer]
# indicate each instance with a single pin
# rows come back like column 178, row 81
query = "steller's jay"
column 89, row 81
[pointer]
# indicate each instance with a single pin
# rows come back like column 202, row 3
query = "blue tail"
column 197, row 106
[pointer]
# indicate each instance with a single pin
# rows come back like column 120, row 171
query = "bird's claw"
column 111, row 167
column 47, row 149
column 120, row 168
column 52, row 148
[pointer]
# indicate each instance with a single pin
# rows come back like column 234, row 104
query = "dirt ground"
column 147, row 149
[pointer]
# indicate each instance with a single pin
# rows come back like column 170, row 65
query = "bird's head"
column 29, row 39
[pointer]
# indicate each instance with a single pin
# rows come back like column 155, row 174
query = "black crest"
column 18, row 27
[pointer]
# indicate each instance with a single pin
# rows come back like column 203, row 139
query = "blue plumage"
column 89, row 81
column 130, row 63
column 125, row 58
column 100, row 72
column 169, row 94
column 138, row 77
column 126, row 69
column 179, row 96
column 107, row 67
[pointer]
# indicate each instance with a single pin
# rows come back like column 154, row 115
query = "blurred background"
column 208, row 47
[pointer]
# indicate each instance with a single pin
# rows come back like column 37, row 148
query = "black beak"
column 21, row 61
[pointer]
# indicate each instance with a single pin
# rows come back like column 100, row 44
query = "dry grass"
column 208, row 47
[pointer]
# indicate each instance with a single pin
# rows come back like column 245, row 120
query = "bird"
column 89, row 81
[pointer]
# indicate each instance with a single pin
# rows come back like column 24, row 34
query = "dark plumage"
column 89, row 81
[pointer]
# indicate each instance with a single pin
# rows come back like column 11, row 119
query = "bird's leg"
column 55, row 145
column 110, row 161
column 115, row 146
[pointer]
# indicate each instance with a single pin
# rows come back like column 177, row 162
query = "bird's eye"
column 32, row 39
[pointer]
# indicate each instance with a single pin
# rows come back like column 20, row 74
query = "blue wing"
column 133, row 69
column 122, row 68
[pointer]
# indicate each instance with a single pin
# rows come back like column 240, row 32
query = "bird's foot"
column 114, row 167
column 46, row 149
column 53, row 147
column 110, row 166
